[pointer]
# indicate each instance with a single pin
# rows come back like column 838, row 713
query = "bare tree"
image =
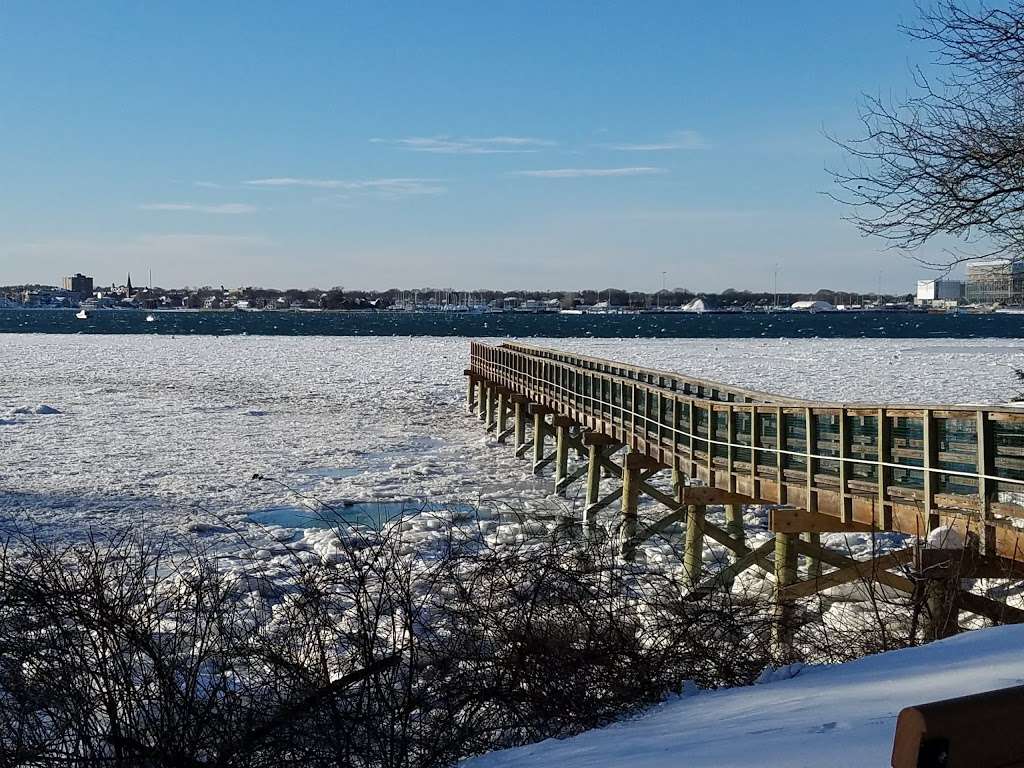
column 949, row 158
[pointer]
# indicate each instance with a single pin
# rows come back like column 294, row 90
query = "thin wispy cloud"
column 681, row 140
column 387, row 187
column 586, row 173
column 222, row 208
column 451, row 145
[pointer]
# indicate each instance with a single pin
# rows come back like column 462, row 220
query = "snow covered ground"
column 100, row 431
column 839, row 716
column 168, row 431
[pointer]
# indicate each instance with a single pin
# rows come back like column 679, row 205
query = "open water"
column 731, row 325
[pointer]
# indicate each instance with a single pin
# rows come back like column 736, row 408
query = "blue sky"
column 450, row 144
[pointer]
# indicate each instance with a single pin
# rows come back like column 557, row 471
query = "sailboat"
column 82, row 314
column 150, row 319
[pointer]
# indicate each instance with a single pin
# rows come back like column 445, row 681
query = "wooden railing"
column 906, row 468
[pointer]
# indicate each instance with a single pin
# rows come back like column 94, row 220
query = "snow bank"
column 836, row 716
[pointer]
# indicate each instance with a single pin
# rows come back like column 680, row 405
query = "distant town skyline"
column 462, row 145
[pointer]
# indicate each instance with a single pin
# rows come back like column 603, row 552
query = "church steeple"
column 129, row 285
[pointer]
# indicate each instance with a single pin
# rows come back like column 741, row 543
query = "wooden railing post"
column 986, row 536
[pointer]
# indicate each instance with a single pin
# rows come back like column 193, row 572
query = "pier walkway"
column 956, row 472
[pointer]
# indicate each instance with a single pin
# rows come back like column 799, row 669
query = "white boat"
column 82, row 314
column 150, row 318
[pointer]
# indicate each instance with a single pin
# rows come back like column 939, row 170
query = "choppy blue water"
column 739, row 325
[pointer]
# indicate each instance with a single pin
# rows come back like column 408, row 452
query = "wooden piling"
column 502, row 415
column 562, row 425
column 489, row 407
column 519, row 416
column 693, row 553
column 784, row 629
column 734, row 521
column 540, row 428
column 630, row 503
column 470, row 386
column 481, row 399
column 813, row 563
column 633, row 467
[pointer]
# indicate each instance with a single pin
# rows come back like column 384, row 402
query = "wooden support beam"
column 734, row 521
column 523, row 449
column 831, row 557
column 725, row 577
column 693, row 552
column 540, row 428
column 562, row 425
column 470, row 386
column 502, row 423
column 857, row 569
column 598, row 438
column 706, row 495
column 597, row 452
column 970, row 563
column 792, row 520
column 519, row 424
column 813, row 564
column 661, row 524
column 481, row 400
column 632, row 467
column 540, row 465
column 784, row 625
column 489, row 405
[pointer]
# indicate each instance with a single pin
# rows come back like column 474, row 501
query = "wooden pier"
column 823, row 467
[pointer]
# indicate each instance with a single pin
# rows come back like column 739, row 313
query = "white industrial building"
column 939, row 292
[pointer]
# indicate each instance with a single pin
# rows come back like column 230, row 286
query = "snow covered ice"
column 168, row 431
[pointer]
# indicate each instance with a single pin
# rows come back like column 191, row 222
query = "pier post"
column 677, row 482
column 502, row 415
column 594, row 452
column 813, row 563
column 562, row 425
column 940, row 571
column 481, row 399
column 492, row 393
column 633, row 467
column 540, row 429
column 784, row 629
column 519, row 403
column 693, row 553
column 470, row 386
column 734, row 521
column 598, row 446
